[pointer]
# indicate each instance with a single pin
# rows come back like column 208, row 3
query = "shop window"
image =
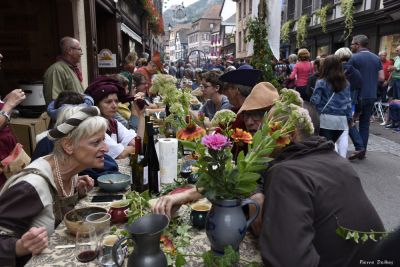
column 389, row 43
column 323, row 50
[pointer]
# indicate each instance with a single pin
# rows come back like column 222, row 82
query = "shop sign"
column 106, row 59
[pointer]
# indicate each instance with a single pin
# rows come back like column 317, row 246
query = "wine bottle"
column 145, row 135
column 152, row 162
column 140, row 181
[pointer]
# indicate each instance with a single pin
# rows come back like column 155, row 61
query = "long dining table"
column 55, row 255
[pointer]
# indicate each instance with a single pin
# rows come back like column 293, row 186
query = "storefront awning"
column 131, row 33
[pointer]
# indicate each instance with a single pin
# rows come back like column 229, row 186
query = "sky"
column 168, row 3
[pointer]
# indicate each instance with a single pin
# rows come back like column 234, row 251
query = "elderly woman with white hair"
column 35, row 200
column 353, row 76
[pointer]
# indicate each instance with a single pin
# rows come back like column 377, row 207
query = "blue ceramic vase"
column 226, row 223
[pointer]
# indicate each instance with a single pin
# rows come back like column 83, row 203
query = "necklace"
column 60, row 182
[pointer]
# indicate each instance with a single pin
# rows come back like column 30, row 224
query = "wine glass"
column 86, row 243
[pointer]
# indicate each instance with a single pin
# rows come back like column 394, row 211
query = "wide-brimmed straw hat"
column 262, row 96
column 244, row 75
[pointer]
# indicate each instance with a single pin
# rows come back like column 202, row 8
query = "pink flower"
column 216, row 141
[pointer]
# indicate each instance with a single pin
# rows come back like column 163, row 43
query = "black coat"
column 309, row 190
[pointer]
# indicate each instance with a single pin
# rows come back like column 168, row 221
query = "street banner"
column 274, row 9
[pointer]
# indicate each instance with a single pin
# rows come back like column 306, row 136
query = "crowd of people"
column 305, row 193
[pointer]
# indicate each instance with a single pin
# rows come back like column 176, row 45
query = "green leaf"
column 188, row 144
column 349, row 235
column 341, row 232
column 364, row 237
column 356, row 237
column 208, row 258
column 372, row 237
column 180, row 260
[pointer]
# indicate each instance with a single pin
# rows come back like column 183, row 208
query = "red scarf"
column 75, row 68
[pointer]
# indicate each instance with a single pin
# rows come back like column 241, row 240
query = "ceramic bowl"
column 74, row 218
column 113, row 182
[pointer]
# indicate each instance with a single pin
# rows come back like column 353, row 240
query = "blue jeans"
column 396, row 88
column 360, row 137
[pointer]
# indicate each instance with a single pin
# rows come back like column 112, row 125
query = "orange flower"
column 274, row 126
column 168, row 244
column 190, row 133
column 242, row 136
column 283, row 141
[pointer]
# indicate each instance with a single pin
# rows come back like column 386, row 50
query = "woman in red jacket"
column 302, row 70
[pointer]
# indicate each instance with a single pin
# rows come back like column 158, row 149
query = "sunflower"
column 190, row 133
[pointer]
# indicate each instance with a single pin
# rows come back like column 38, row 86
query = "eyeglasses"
column 79, row 49
column 255, row 115
column 205, row 85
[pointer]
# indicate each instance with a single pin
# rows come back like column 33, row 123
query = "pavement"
column 380, row 173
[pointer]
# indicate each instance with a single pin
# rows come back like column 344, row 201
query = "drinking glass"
column 100, row 221
column 86, row 243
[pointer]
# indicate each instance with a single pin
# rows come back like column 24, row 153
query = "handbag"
column 289, row 83
column 325, row 119
column 15, row 162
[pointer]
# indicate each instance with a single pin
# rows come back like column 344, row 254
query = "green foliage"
column 302, row 25
column 347, row 9
column 262, row 57
column 285, row 30
column 322, row 14
column 138, row 204
column 359, row 236
column 230, row 258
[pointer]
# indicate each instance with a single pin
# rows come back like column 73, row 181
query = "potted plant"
column 301, row 35
column 347, row 9
column 285, row 30
column 226, row 184
column 322, row 15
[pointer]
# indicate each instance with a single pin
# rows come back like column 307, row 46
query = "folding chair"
column 380, row 110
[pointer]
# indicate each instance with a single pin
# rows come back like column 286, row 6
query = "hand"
column 169, row 204
column 33, row 241
column 257, row 223
column 350, row 122
column 84, row 184
column 14, row 98
column 136, row 109
column 392, row 68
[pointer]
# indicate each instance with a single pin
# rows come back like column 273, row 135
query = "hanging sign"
column 106, row 59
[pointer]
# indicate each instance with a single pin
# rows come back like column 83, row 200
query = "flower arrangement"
column 155, row 20
column 220, row 177
column 177, row 100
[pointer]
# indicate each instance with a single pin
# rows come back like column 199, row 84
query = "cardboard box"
column 25, row 130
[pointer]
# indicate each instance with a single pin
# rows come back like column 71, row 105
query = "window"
column 244, row 8
column 240, row 42
column 240, row 10
column 326, row 2
column 291, row 9
column 306, row 7
column 250, row 6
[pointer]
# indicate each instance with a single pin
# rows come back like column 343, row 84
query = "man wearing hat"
column 238, row 85
column 259, row 101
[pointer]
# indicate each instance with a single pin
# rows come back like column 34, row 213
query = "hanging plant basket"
column 347, row 7
column 322, row 14
column 302, row 25
column 286, row 29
